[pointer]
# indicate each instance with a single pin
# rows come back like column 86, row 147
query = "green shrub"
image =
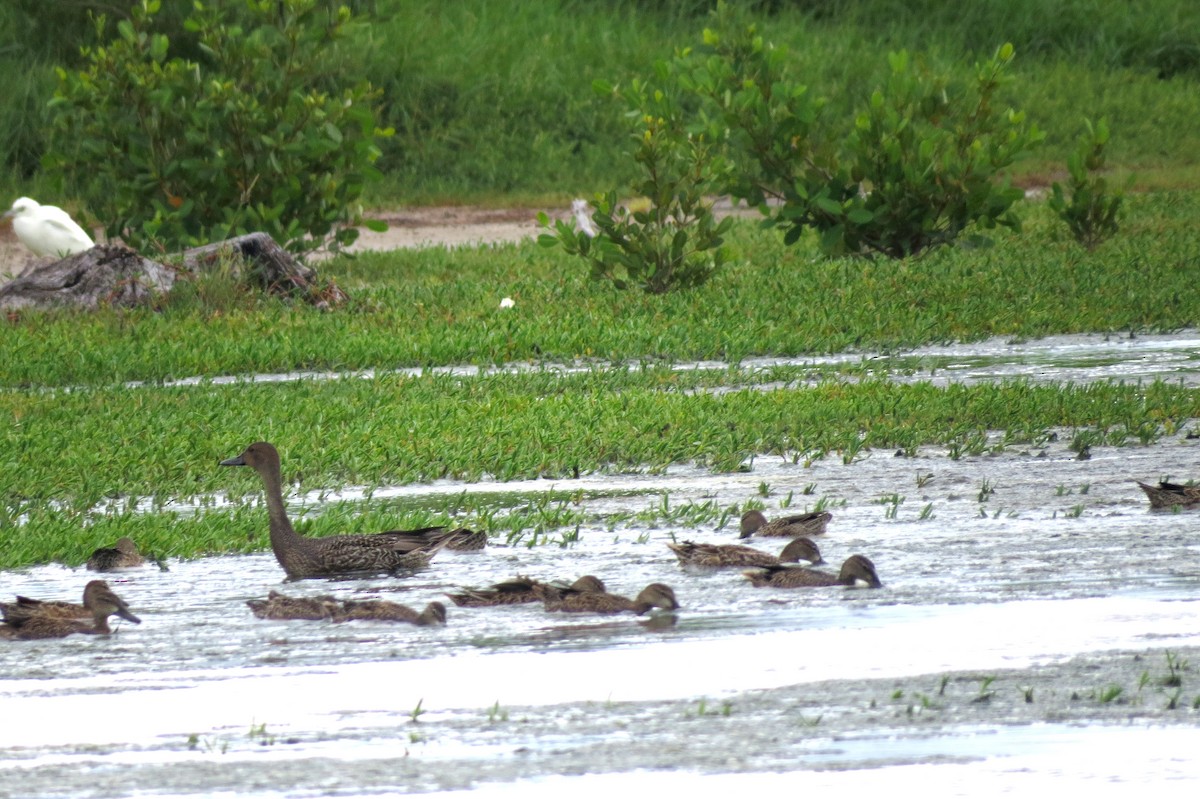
column 676, row 242
column 1086, row 205
column 173, row 152
column 920, row 165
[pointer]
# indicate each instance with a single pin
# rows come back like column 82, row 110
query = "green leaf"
column 829, row 205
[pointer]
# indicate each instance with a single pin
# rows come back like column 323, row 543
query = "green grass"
column 427, row 307
column 492, row 99
column 69, row 451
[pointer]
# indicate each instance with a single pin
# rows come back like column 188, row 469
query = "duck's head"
column 799, row 549
column 859, row 571
column 751, row 521
column 99, row 598
column 658, row 595
column 259, row 455
column 433, row 615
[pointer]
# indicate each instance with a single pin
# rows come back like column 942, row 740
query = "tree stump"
column 110, row 274
column 115, row 276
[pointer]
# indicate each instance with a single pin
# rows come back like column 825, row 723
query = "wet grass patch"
column 70, row 451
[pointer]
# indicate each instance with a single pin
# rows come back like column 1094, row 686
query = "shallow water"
column 1075, row 358
column 1058, row 581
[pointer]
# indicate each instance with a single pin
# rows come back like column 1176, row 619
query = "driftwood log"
column 114, row 275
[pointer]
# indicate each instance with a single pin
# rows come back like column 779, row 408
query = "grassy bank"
column 433, row 306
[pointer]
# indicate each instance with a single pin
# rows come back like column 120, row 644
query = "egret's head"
column 22, row 205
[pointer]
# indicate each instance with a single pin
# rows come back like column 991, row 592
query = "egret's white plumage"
column 47, row 229
column 583, row 219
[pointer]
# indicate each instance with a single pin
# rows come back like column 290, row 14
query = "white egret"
column 47, row 229
column 586, row 226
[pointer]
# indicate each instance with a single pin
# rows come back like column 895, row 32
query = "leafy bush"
column 920, row 165
column 1086, row 205
column 174, row 152
column 675, row 243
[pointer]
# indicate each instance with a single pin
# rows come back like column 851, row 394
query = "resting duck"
column 382, row 610
column 755, row 523
column 1168, row 495
column 33, row 618
column 303, row 557
column 857, row 571
column 278, row 607
column 122, row 555
column 655, row 595
column 719, row 555
column 288, row 608
column 520, row 590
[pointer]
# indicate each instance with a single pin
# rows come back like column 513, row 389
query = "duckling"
column 655, row 595
column 1168, row 495
column 519, row 590
column 60, row 619
column 335, row 555
column 718, row 555
column 857, row 571
column 755, row 523
column 381, row 610
column 122, row 555
column 278, row 607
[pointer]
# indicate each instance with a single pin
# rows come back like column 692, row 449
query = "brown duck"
column 655, row 595
column 121, row 555
column 720, row 555
column 461, row 540
column 279, row 607
column 32, row 618
column 857, row 570
column 520, row 590
column 755, row 523
column 335, row 555
column 1168, row 495
column 382, row 610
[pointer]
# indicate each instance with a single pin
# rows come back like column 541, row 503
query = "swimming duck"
column 519, row 590
column 122, row 555
column 1168, row 495
column 655, row 595
column 55, row 619
column 459, row 540
column 279, row 607
column 382, row 610
column 335, row 555
column 755, row 523
column 717, row 555
column 856, row 571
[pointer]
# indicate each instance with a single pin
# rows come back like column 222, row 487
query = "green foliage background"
column 491, row 99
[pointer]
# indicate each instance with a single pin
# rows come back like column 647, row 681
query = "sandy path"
column 418, row 227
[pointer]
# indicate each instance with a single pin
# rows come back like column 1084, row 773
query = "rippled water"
column 1058, row 566
column 1075, row 358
